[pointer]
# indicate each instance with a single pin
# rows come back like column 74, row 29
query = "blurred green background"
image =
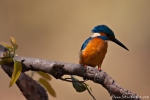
column 56, row 29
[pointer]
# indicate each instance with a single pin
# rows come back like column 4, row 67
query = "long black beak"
column 119, row 43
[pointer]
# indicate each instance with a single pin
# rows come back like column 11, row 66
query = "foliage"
column 8, row 58
column 44, row 81
column 16, row 72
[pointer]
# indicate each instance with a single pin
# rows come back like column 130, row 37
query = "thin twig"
column 70, row 80
column 80, row 82
column 89, row 91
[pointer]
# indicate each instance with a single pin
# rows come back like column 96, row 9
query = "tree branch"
column 58, row 69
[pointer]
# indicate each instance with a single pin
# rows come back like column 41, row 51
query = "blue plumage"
column 86, row 42
column 103, row 28
column 103, row 37
column 90, row 38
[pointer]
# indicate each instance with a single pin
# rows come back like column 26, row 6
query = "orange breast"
column 94, row 52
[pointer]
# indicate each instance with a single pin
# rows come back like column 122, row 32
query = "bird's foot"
column 99, row 68
column 85, row 66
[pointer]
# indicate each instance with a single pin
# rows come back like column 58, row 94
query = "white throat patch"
column 96, row 34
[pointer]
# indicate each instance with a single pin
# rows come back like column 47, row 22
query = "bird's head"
column 107, row 34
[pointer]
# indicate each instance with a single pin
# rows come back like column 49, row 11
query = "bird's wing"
column 85, row 43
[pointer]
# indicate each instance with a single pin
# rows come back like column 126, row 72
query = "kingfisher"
column 94, row 49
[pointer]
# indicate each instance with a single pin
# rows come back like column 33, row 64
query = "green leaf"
column 14, row 43
column 6, row 61
column 16, row 72
column 79, row 87
column 44, row 75
column 47, row 86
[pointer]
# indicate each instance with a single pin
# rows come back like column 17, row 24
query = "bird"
column 94, row 49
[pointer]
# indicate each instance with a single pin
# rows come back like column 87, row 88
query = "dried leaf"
column 47, row 86
column 16, row 72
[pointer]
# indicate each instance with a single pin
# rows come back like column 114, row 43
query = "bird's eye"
column 110, row 36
